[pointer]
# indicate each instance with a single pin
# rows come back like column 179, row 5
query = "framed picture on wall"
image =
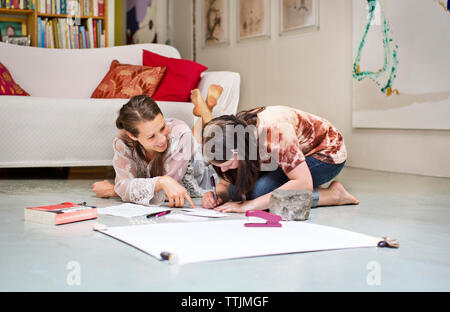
column 298, row 15
column 141, row 21
column 214, row 22
column 12, row 27
column 19, row 40
column 253, row 19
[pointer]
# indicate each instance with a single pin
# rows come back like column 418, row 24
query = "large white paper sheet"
column 227, row 239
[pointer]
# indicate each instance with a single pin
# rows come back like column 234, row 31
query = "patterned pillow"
column 125, row 81
column 7, row 84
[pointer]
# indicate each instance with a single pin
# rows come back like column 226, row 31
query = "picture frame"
column 298, row 16
column 19, row 40
column 10, row 26
column 215, row 23
column 253, row 19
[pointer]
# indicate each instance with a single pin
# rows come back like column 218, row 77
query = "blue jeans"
column 271, row 180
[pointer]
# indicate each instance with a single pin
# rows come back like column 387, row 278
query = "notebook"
column 128, row 210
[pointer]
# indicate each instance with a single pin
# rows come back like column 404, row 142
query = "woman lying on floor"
column 304, row 151
column 157, row 158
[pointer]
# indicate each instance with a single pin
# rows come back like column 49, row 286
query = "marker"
column 162, row 213
column 213, row 184
column 158, row 214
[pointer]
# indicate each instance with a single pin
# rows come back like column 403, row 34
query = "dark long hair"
column 221, row 148
column 138, row 109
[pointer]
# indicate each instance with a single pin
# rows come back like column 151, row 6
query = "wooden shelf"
column 31, row 18
column 65, row 15
column 16, row 11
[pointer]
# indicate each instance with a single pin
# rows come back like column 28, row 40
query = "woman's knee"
column 321, row 172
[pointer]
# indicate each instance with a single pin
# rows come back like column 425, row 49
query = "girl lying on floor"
column 157, row 158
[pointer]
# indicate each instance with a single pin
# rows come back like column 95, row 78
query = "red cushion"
column 7, row 84
column 125, row 81
column 181, row 77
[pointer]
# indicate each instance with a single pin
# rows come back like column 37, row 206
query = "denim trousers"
column 271, row 180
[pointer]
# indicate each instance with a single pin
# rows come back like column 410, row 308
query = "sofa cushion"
column 125, row 81
column 181, row 77
column 7, row 84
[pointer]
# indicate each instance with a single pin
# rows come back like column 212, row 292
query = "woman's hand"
column 175, row 192
column 209, row 202
column 232, row 207
column 104, row 189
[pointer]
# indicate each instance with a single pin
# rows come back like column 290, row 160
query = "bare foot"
column 214, row 92
column 199, row 104
column 343, row 197
column 104, row 189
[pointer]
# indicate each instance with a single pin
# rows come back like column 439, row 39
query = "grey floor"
column 413, row 209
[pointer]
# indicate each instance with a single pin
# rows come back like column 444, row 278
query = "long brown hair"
column 138, row 109
column 247, row 173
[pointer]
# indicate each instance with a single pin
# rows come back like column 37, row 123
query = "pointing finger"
column 190, row 201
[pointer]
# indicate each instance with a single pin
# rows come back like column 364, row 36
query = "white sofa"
column 59, row 124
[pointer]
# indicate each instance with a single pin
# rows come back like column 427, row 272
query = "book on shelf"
column 55, row 32
column 91, row 33
column 63, row 7
column 51, row 35
column 94, row 34
column 71, row 7
column 61, row 33
column 38, row 31
column 101, row 7
column 60, row 214
column 99, row 33
column 83, row 35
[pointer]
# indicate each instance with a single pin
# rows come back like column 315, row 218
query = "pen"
column 162, row 213
column 213, row 184
column 158, row 214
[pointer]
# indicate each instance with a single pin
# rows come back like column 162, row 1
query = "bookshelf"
column 49, row 25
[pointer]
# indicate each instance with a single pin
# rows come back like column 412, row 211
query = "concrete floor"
column 413, row 209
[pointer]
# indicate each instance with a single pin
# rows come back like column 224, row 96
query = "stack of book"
column 61, row 213
column 62, row 33
column 71, row 7
column 18, row 4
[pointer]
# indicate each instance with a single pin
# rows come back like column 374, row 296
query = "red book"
column 95, row 33
column 60, row 214
column 101, row 7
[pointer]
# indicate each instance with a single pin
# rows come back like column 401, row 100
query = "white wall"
column 180, row 26
column 110, row 29
column 312, row 71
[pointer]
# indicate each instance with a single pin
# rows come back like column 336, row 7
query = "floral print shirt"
column 294, row 135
